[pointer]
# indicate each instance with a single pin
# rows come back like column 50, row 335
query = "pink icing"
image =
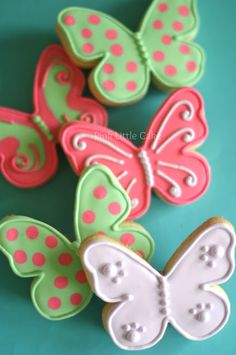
column 114, row 208
column 32, row 232
column 88, row 217
column 12, row 234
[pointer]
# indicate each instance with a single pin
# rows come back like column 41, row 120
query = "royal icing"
column 28, row 154
column 165, row 162
column 126, row 61
column 185, row 295
column 35, row 249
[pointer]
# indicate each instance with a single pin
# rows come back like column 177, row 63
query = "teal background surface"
column 26, row 28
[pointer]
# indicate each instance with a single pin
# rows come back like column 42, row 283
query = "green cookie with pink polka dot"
column 35, row 249
column 124, row 62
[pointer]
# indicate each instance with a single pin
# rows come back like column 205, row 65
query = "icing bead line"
column 43, row 127
column 142, row 49
column 145, row 161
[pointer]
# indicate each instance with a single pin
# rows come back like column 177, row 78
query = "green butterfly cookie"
column 35, row 249
column 124, row 62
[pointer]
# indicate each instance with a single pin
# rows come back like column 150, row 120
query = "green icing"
column 56, row 94
column 172, row 55
column 30, row 143
column 107, row 214
column 56, row 287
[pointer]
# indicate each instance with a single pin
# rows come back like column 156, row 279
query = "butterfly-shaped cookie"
column 35, row 249
column 143, row 301
column 124, row 62
column 28, row 155
column 165, row 162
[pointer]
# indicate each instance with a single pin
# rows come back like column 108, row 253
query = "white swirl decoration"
column 187, row 115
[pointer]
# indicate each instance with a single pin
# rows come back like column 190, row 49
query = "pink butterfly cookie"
column 166, row 162
column 28, row 155
column 125, row 62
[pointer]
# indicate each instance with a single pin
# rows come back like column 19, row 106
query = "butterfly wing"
column 180, row 174
column 58, row 92
column 167, row 31
column 199, row 308
column 34, row 249
column 86, row 144
column 123, row 279
column 27, row 157
column 89, row 37
column 102, row 205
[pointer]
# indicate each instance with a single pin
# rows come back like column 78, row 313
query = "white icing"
column 132, row 332
column 202, row 312
column 131, row 184
column 191, row 179
column 123, row 174
column 76, row 143
column 134, row 202
column 175, row 189
column 211, row 254
column 185, row 116
column 145, row 161
column 92, row 159
column 146, row 301
column 188, row 137
column 113, row 271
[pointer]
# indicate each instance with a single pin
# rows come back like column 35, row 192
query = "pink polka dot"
column 114, row 208
column 183, row 10
column 12, row 234
column 32, row 232
column 178, row 26
column 170, row 70
column 88, row 217
column 116, row 50
column 86, row 33
column 191, row 66
column 61, row 282
column 132, row 67
column 54, row 303
column 111, row 34
column 166, row 39
column 81, row 277
column 51, row 241
column 158, row 56
column 109, row 85
column 162, row 7
column 88, row 48
column 38, row 259
column 127, row 239
column 76, row 299
column 131, row 86
column 140, row 253
column 184, row 49
column 100, row 192
column 158, row 25
column 94, row 19
column 20, row 256
column 65, row 259
column 69, row 20
column 108, row 68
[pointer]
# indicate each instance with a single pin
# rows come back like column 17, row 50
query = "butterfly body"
column 166, row 161
column 141, row 301
column 31, row 158
column 124, row 62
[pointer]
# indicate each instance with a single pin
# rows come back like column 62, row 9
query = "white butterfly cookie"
column 143, row 301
